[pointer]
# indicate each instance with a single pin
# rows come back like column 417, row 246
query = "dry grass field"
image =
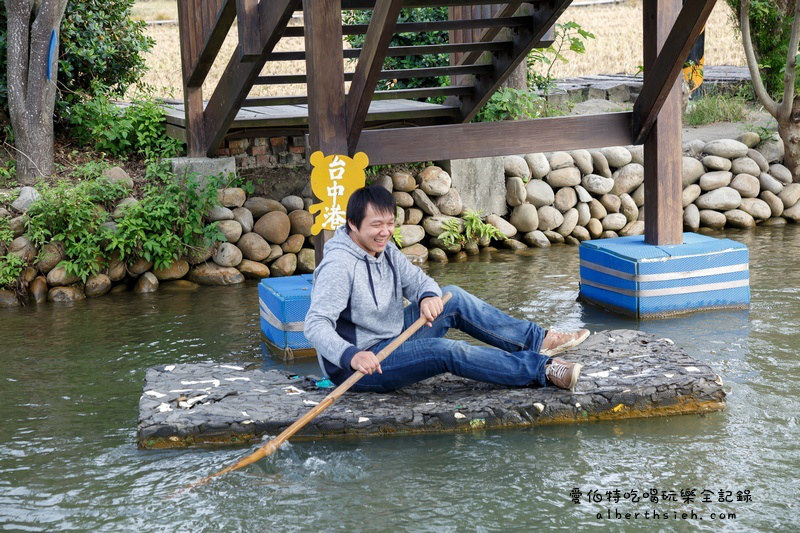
column 617, row 46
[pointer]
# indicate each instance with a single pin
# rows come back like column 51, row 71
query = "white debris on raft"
column 692, row 369
column 669, row 341
column 668, row 375
column 214, row 382
column 539, row 407
column 244, row 413
column 292, row 390
column 154, row 394
column 169, row 368
column 245, row 422
column 237, row 379
column 310, row 402
column 190, row 402
column 362, row 419
column 577, row 405
column 601, row 374
column 232, row 367
column 163, row 408
column 459, row 416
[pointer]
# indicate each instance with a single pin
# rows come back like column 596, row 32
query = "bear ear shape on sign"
column 317, row 158
column 361, row 160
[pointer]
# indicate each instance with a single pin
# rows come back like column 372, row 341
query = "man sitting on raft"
column 357, row 309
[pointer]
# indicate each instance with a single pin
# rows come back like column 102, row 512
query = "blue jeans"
column 513, row 359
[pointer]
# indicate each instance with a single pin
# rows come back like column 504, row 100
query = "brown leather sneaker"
column 563, row 374
column 556, row 342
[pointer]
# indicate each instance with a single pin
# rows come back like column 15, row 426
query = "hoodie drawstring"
column 371, row 285
column 394, row 273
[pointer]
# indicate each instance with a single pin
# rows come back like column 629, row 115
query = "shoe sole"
column 566, row 346
column 576, row 373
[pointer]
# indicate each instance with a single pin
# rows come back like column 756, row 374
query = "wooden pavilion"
column 488, row 40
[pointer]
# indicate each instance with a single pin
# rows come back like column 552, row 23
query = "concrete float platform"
column 627, row 374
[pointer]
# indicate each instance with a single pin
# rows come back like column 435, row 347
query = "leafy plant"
column 770, row 28
column 150, row 135
column 476, row 229
column 138, row 128
column 397, row 237
column 6, row 235
column 74, row 214
column 510, row 104
column 11, row 267
column 569, row 36
column 407, row 39
column 451, row 233
column 167, row 222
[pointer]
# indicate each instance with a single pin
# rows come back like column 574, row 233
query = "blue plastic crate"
column 649, row 281
column 283, row 304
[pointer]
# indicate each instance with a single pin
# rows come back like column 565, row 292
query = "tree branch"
column 755, row 75
column 791, row 64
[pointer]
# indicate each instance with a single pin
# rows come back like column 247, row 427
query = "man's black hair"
column 378, row 197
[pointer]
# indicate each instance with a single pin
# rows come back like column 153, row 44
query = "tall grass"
column 716, row 107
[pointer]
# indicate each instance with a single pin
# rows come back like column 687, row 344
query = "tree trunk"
column 789, row 131
column 31, row 96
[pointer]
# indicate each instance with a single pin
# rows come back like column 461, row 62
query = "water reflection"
column 71, row 379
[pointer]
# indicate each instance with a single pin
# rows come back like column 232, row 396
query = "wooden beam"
column 667, row 66
column 489, row 34
column 663, row 223
column 419, row 27
column 327, row 116
column 420, row 92
column 402, row 51
column 249, row 29
column 239, row 77
column 368, row 69
column 211, row 45
column 524, row 40
column 486, row 139
column 426, row 72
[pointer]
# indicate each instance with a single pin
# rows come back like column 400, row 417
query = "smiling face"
column 375, row 231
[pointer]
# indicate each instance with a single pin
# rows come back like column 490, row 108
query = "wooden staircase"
column 487, row 41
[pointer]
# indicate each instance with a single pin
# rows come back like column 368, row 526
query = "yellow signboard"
column 333, row 179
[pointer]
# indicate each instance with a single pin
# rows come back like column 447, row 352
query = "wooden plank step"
column 401, row 51
column 626, row 374
column 419, row 27
column 429, row 72
column 297, row 115
column 424, row 92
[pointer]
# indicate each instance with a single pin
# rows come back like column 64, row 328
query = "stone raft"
column 627, row 374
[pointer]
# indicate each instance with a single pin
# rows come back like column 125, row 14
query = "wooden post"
column 662, row 147
column 327, row 116
column 192, row 95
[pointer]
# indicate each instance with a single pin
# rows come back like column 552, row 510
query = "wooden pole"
column 327, row 116
column 663, row 223
column 272, row 446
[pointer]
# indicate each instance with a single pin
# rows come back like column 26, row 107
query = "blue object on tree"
column 52, row 55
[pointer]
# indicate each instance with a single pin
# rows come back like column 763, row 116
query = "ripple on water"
column 73, row 378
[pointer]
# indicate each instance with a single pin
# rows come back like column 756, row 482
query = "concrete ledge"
column 203, row 166
column 627, row 374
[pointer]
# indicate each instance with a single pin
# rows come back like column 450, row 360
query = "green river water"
column 71, row 377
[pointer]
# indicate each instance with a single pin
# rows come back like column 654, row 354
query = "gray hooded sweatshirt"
column 357, row 300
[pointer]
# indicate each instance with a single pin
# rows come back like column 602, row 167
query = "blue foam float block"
column 651, row 281
column 283, row 304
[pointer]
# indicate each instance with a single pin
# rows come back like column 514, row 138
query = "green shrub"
column 167, row 222
column 569, row 36
column 476, row 229
column 510, row 104
column 407, row 39
column 11, row 266
column 74, row 214
column 770, row 28
column 135, row 129
column 99, row 44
